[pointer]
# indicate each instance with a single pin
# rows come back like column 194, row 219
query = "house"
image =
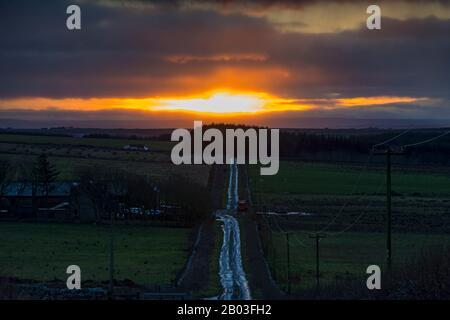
column 65, row 201
column 23, row 200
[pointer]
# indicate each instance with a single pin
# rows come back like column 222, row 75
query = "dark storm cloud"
column 394, row 61
column 117, row 52
column 121, row 51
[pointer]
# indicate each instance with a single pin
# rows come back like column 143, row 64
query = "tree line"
column 354, row 145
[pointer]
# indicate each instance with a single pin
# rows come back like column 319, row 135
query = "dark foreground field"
column 43, row 251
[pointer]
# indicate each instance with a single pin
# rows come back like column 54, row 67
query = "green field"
column 72, row 154
column 420, row 201
column 346, row 255
column 319, row 178
column 213, row 287
column 69, row 167
column 350, row 200
column 145, row 255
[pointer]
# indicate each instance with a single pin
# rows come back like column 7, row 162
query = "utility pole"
column 317, row 236
column 274, row 263
column 111, row 258
column 288, row 264
column 388, row 153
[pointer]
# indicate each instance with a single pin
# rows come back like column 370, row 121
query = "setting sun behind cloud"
column 219, row 102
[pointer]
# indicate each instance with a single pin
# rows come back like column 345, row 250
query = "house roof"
column 24, row 189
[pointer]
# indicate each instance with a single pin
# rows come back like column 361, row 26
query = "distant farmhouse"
column 22, row 200
column 67, row 202
column 136, row 147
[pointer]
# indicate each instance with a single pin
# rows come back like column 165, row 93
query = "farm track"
column 232, row 275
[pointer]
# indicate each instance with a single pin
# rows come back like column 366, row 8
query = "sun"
column 218, row 102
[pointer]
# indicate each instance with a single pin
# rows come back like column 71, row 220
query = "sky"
column 277, row 63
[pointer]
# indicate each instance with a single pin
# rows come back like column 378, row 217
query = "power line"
column 425, row 141
column 367, row 162
column 357, row 218
column 341, row 210
column 282, row 231
column 333, row 220
column 301, row 243
column 391, row 139
column 268, row 223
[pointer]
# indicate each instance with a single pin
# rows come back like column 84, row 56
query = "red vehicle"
column 242, row 205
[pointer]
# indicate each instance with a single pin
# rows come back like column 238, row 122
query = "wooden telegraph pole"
column 388, row 153
column 288, row 264
column 111, row 258
column 317, row 236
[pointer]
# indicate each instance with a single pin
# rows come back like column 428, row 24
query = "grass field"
column 346, row 255
column 214, row 287
column 352, row 199
column 317, row 178
column 68, row 167
column 145, row 255
column 72, row 154
column 421, row 199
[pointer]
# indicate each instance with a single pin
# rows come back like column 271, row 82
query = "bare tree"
column 104, row 188
column 141, row 192
column 94, row 186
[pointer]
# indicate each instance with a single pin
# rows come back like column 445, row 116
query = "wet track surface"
column 232, row 275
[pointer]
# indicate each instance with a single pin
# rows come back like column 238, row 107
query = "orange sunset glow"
column 219, row 103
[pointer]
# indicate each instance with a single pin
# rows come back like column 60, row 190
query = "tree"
column 141, row 193
column 104, row 188
column 193, row 198
column 44, row 174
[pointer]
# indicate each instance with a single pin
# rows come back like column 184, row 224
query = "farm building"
column 23, row 200
column 65, row 201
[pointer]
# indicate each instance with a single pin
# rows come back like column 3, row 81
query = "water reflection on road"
column 232, row 275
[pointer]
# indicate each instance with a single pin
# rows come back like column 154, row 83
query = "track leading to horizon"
column 231, row 272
